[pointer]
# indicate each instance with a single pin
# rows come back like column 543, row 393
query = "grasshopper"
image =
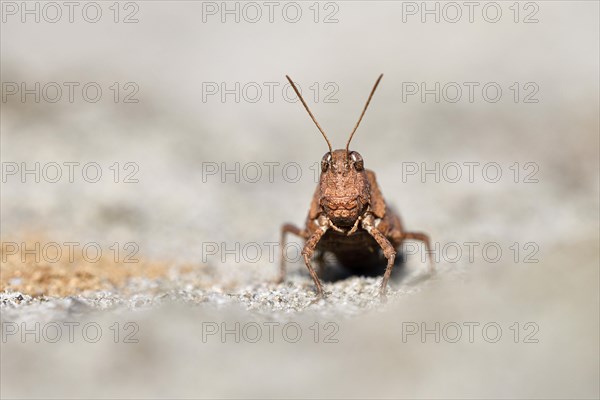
column 348, row 215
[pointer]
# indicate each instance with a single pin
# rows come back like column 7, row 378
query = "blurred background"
column 179, row 104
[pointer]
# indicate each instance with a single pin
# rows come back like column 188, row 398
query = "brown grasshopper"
column 348, row 216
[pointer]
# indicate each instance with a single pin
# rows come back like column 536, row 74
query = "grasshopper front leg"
column 368, row 224
column 309, row 249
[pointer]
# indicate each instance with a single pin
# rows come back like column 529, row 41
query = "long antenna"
column 309, row 113
column 363, row 112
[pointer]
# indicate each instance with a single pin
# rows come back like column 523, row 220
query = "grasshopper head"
column 345, row 191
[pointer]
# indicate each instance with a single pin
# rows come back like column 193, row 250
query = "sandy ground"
column 180, row 311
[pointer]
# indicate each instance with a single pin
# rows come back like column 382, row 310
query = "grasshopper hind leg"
column 285, row 229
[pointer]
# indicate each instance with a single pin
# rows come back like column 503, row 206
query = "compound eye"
column 357, row 160
column 325, row 161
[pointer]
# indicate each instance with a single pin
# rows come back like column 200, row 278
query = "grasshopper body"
column 348, row 216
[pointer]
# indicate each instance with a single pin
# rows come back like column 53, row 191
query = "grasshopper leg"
column 309, row 249
column 399, row 237
column 368, row 224
column 293, row 229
